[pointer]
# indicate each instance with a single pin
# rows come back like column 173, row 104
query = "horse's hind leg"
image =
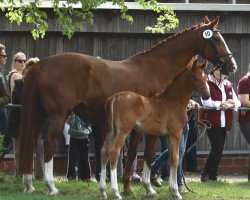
column 104, row 161
column 55, row 129
column 49, row 179
column 114, row 155
column 27, row 180
column 148, row 156
column 134, row 140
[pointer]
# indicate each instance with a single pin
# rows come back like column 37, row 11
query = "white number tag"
column 207, row 34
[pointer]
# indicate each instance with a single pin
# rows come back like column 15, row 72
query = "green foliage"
column 1, row 143
column 72, row 19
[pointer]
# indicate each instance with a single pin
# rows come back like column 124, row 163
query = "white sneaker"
column 136, row 178
column 182, row 189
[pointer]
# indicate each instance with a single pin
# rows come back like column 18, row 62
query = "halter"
column 220, row 60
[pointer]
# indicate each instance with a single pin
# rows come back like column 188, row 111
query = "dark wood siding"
column 115, row 39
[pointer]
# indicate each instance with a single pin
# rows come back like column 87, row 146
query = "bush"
column 1, row 143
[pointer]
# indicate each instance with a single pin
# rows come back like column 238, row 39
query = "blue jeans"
column 163, row 158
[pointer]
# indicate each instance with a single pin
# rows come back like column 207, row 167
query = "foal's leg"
column 173, row 163
column 114, row 155
column 27, row 180
column 104, row 161
column 148, row 156
column 134, row 140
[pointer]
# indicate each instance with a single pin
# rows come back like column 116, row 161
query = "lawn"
column 11, row 189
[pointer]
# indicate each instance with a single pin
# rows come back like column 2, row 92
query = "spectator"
column 223, row 99
column 191, row 156
column 18, row 64
column 78, row 154
column 243, row 90
column 4, row 98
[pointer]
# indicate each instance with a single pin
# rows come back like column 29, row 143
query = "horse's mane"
column 174, row 36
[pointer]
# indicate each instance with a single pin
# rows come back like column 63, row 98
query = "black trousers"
column 191, row 156
column 217, row 137
column 78, row 156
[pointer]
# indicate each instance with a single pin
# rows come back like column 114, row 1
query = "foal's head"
column 198, row 79
column 213, row 47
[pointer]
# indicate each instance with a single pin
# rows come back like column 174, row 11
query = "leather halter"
column 220, row 60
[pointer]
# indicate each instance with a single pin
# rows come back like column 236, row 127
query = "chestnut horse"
column 162, row 114
column 58, row 84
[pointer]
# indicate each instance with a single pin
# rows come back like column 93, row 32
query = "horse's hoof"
column 116, row 194
column 128, row 192
column 176, row 195
column 151, row 193
column 53, row 192
column 29, row 190
column 103, row 193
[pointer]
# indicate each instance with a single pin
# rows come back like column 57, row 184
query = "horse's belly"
column 151, row 128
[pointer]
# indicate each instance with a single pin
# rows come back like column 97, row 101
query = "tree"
column 20, row 11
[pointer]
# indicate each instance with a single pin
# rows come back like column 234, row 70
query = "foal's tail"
column 29, row 119
column 109, row 115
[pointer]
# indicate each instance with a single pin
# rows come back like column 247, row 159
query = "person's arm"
column 244, row 99
column 4, row 98
column 209, row 103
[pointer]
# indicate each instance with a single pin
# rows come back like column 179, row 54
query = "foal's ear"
column 214, row 24
column 206, row 20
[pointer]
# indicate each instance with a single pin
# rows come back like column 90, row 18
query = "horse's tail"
column 29, row 119
column 109, row 113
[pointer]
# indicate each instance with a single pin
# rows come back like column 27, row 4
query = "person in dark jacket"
column 4, row 99
column 78, row 154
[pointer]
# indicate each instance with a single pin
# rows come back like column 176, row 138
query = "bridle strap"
column 219, row 62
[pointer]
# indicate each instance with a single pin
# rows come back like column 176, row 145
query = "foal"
column 162, row 114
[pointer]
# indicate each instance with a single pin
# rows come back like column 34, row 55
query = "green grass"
column 11, row 189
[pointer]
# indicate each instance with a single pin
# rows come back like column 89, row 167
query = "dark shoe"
column 89, row 180
column 70, row 178
column 204, row 178
column 194, row 171
column 155, row 181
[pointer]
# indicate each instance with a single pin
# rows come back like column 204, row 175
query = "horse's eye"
column 220, row 62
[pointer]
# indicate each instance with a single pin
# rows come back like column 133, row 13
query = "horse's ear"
column 203, row 65
column 195, row 63
column 214, row 24
column 206, row 20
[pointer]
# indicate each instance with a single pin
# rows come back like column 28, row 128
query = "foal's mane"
column 176, row 78
column 166, row 40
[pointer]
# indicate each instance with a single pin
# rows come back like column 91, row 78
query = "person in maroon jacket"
column 243, row 90
column 223, row 100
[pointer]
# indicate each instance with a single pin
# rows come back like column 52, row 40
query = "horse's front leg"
column 134, row 140
column 148, row 156
column 27, row 180
column 173, row 163
column 48, row 178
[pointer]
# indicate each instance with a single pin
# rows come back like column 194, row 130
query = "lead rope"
column 207, row 125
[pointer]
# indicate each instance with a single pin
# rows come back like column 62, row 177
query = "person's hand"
column 243, row 112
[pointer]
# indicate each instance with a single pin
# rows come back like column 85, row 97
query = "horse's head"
column 199, row 79
column 214, row 48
